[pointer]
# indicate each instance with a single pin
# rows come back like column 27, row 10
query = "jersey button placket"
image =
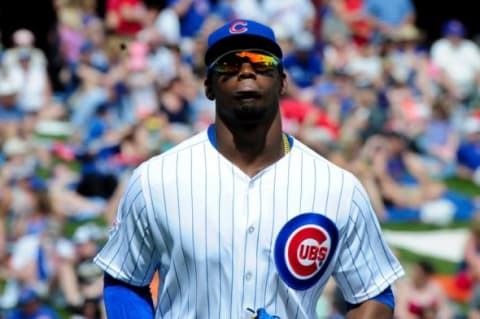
column 251, row 237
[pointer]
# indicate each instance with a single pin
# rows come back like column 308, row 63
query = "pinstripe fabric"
column 211, row 230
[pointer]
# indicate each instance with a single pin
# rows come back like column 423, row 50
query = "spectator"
column 124, row 18
column 11, row 113
column 303, row 65
column 32, row 81
column 408, row 111
column 192, row 15
column 346, row 19
column 40, row 211
column 73, row 204
column 165, row 23
column 33, row 263
column 420, row 297
column 309, row 122
column 366, row 65
column 298, row 15
column 386, row 18
column 80, row 280
column 440, row 140
column 248, row 9
column 176, row 113
column 405, row 56
column 31, row 306
column 367, row 117
column 23, row 41
column 338, row 51
column 141, row 81
column 460, row 78
column 70, row 32
column 400, row 174
column 468, row 154
column 88, row 88
column 95, row 42
column 20, row 163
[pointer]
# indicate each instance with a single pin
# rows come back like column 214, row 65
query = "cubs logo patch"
column 238, row 27
column 304, row 248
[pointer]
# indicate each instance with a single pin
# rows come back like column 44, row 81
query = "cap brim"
column 241, row 42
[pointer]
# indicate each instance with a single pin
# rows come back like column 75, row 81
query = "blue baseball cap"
column 27, row 295
column 241, row 34
column 453, row 28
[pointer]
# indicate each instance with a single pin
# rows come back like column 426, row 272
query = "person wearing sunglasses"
column 243, row 220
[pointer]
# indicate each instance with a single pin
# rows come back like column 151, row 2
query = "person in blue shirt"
column 386, row 17
column 468, row 152
column 303, row 64
column 30, row 306
column 192, row 14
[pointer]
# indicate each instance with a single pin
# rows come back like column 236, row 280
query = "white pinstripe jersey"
column 224, row 241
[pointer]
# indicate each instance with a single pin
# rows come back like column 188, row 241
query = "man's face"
column 247, row 87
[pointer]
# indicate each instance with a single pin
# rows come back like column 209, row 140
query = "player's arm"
column 367, row 267
column 379, row 307
column 129, row 257
column 125, row 301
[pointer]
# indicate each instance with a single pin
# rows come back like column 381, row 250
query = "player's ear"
column 208, row 89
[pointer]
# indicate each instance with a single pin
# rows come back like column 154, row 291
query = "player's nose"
column 246, row 70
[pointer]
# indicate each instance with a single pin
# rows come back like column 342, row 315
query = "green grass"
column 408, row 258
column 463, row 186
column 423, row 227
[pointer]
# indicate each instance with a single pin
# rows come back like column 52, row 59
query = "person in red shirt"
column 124, row 17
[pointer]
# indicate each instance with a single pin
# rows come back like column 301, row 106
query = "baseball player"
column 243, row 220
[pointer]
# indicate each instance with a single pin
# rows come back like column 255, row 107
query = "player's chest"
column 264, row 221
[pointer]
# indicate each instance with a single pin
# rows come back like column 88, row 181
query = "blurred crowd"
column 365, row 90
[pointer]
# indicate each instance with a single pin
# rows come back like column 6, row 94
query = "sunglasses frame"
column 243, row 55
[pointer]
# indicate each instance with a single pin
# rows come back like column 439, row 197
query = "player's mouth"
column 247, row 96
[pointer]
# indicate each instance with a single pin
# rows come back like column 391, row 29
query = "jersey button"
column 248, row 276
column 251, row 229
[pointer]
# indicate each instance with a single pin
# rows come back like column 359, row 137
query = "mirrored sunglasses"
column 231, row 63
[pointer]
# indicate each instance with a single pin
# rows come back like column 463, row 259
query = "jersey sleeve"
column 130, row 252
column 366, row 266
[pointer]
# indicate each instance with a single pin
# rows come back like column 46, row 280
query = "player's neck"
column 252, row 150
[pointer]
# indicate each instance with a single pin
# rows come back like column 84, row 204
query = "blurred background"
column 89, row 89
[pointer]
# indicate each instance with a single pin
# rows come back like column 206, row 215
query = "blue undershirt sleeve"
column 386, row 297
column 124, row 301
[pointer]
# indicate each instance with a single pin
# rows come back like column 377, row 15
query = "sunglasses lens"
column 231, row 63
column 226, row 67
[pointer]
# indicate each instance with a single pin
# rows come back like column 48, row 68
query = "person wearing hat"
column 303, row 66
column 460, row 78
column 31, row 306
column 243, row 220
column 23, row 41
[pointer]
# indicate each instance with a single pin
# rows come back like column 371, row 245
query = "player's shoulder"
column 186, row 145
column 324, row 163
